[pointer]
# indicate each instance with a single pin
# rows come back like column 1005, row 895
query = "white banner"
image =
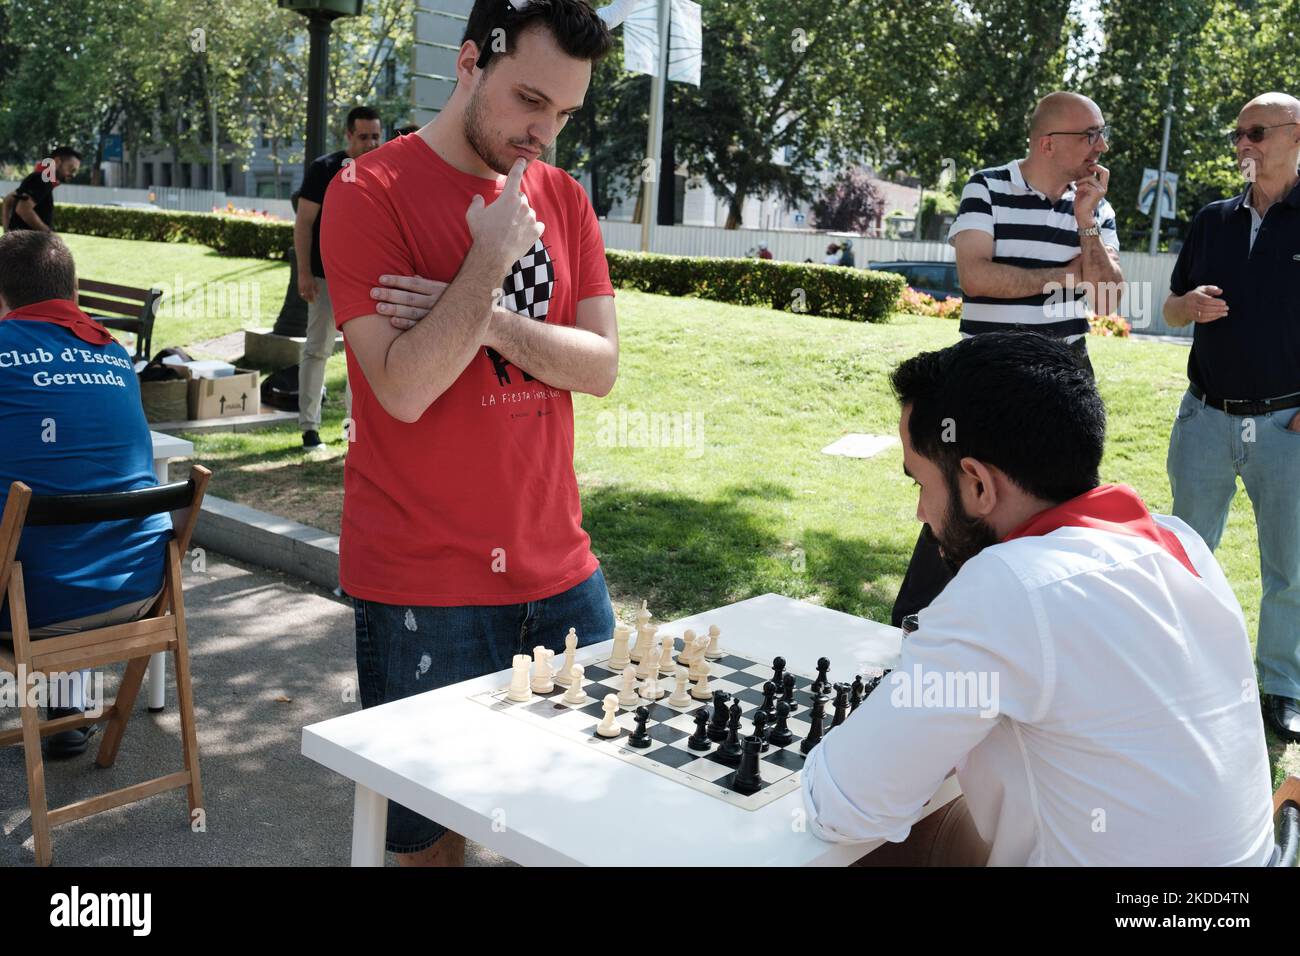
column 640, row 20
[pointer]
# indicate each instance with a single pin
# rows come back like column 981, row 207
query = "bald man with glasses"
column 1236, row 280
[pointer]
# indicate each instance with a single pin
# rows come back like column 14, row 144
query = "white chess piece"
column 543, row 676
column 570, row 645
column 702, row 690
column 688, row 648
column 519, row 686
column 715, row 643
column 698, row 662
column 628, row 696
column 575, row 694
column 666, row 665
column 681, row 696
column 622, row 655
column 649, row 663
column 650, row 688
column 643, row 615
column 608, row 727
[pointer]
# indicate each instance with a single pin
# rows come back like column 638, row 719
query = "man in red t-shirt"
column 462, row 538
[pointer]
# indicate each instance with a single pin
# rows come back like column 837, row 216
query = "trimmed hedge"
column 228, row 235
column 834, row 291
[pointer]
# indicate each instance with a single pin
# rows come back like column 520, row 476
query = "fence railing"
column 1146, row 276
column 166, row 197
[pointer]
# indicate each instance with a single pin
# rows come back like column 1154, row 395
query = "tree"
column 850, row 204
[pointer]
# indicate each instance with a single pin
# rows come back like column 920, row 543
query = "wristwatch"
column 1090, row 231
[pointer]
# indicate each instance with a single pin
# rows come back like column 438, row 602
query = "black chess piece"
column 718, row 727
column 781, row 735
column 747, row 779
column 769, row 698
column 856, row 693
column 873, row 683
column 815, row 718
column 787, row 693
column 778, row 671
column 760, row 728
column 730, row 750
column 841, row 704
column 822, row 683
column 640, row 737
column 700, row 739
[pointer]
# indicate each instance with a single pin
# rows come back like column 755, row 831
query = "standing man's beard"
column 474, row 127
column 963, row 536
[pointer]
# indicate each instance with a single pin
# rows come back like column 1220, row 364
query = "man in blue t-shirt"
column 71, row 422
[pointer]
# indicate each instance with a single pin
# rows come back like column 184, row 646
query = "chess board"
column 669, row 727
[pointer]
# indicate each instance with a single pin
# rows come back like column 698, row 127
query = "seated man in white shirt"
column 1087, row 672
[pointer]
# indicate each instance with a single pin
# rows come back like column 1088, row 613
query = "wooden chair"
column 1286, row 817
column 162, row 629
column 130, row 310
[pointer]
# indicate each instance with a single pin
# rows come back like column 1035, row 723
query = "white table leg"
column 369, row 827
column 158, row 662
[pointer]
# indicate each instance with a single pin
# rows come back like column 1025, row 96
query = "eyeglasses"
column 1255, row 134
column 1092, row 134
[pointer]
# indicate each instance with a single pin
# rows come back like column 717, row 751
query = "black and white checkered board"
column 668, row 754
column 528, row 288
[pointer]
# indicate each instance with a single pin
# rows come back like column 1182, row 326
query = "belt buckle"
column 1228, row 402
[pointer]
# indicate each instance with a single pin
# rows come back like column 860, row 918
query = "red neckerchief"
column 65, row 313
column 1114, row 508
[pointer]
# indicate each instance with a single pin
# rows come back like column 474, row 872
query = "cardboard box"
column 237, row 394
column 167, row 401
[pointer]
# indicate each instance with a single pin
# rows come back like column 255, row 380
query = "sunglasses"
column 1255, row 134
column 1092, row 134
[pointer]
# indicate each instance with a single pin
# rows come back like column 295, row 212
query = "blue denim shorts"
column 406, row 650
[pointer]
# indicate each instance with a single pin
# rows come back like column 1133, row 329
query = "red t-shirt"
column 477, row 502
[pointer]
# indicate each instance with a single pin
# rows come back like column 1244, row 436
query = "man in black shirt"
column 364, row 132
column 1236, row 278
column 31, row 205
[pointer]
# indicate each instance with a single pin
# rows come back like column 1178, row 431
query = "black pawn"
column 730, row 750
column 700, row 739
column 760, row 728
column 769, row 699
column 856, row 693
column 640, row 737
column 781, row 735
column 822, row 683
column 718, row 728
column 778, row 671
column 841, row 704
column 747, row 779
column 872, row 684
column 787, row 693
column 815, row 717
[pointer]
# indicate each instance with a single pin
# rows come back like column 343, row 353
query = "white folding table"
column 539, row 798
column 165, row 448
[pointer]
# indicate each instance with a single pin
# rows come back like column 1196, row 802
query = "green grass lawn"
column 754, row 506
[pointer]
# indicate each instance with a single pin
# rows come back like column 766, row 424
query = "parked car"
column 938, row 279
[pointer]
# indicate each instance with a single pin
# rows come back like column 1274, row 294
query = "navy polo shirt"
column 1253, row 352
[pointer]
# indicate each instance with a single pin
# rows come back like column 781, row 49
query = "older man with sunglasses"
column 1236, row 279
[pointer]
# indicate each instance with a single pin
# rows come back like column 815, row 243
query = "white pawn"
column 715, row 643
column 681, row 697
column 698, row 664
column 628, row 696
column 702, row 690
column 570, row 645
column 607, row 727
column 575, row 694
column 688, row 648
column 649, row 664
column 666, row 665
column 622, row 653
column 650, row 688
column 543, row 676
column 519, row 689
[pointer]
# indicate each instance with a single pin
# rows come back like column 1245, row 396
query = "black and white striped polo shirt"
column 1030, row 231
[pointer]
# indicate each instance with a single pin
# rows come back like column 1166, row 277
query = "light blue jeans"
column 1207, row 451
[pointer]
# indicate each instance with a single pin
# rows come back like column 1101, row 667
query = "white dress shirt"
column 1119, row 723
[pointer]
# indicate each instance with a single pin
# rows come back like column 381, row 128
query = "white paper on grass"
column 856, row 445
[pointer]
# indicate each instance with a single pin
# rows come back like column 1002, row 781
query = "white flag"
column 640, row 20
